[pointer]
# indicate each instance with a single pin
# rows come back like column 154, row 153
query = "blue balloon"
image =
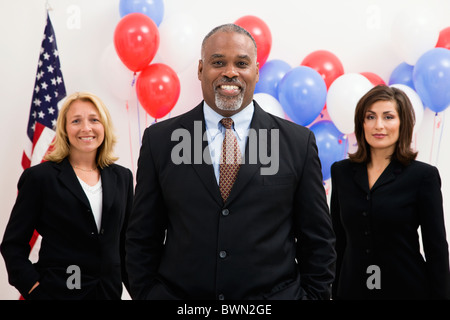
column 154, row 9
column 331, row 144
column 431, row 77
column 403, row 74
column 270, row 75
column 302, row 93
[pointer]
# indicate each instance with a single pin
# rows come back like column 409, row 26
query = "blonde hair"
column 60, row 147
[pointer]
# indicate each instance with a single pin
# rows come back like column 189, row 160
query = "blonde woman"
column 78, row 201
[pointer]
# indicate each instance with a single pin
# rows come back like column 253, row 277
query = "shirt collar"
column 241, row 120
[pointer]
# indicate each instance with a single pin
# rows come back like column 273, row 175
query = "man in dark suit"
column 271, row 237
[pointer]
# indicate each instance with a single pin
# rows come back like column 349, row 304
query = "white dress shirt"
column 215, row 131
column 95, row 196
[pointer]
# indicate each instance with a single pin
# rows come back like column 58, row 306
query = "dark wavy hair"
column 403, row 151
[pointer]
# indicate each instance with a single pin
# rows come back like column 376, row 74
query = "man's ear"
column 200, row 69
column 257, row 71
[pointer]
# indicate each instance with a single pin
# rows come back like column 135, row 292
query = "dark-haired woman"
column 380, row 198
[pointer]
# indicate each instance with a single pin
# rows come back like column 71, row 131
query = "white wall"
column 357, row 31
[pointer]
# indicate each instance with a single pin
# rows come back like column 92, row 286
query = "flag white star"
column 37, row 102
column 41, row 114
column 48, row 98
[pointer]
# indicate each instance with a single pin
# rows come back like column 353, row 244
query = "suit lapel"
column 360, row 176
column 388, row 175
column 109, row 179
column 260, row 121
column 194, row 122
column 68, row 178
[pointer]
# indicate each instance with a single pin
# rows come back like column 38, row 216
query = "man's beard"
column 230, row 103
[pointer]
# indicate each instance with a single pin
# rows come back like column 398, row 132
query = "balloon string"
column 414, row 142
column 129, row 137
column 346, row 147
column 432, row 138
column 440, row 127
column 327, row 187
column 435, row 126
column 344, row 138
column 137, row 108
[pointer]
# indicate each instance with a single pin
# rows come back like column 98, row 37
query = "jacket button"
column 221, row 297
column 222, row 254
column 225, row 212
column 364, row 214
column 102, row 231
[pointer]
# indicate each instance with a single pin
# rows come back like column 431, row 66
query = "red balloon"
column 326, row 64
column 136, row 39
column 261, row 33
column 158, row 89
column 444, row 39
column 373, row 78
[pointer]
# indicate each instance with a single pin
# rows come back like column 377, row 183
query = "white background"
column 358, row 32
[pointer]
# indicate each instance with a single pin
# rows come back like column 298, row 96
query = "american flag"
column 49, row 89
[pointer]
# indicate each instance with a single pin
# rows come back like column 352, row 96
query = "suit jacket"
column 52, row 201
column 379, row 227
column 271, row 239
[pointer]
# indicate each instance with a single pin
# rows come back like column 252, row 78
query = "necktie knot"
column 227, row 122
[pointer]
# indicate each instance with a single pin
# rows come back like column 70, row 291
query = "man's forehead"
column 221, row 41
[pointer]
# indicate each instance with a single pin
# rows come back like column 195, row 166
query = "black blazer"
column 272, row 239
column 51, row 200
column 380, row 227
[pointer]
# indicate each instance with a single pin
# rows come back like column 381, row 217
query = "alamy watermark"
column 258, row 142
column 74, row 280
column 374, row 280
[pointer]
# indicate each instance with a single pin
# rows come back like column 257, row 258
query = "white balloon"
column 416, row 102
column 414, row 32
column 342, row 98
column 115, row 75
column 269, row 104
column 179, row 41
